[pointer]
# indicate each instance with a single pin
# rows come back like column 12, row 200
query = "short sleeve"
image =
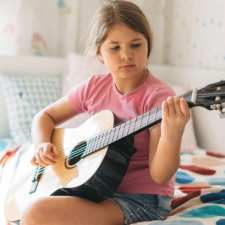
column 158, row 96
column 78, row 96
column 162, row 94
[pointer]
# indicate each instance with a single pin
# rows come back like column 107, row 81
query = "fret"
column 134, row 124
column 144, row 120
column 131, row 126
column 158, row 114
column 88, row 147
column 110, row 136
column 121, row 130
column 107, row 136
column 98, row 141
column 115, row 134
column 138, row 123
column 93, row 142
column 126, row 128
column 154, row 115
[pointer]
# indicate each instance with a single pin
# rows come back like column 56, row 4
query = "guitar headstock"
column 211, row 97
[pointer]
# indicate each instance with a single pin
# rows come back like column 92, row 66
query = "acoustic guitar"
column 93, row 157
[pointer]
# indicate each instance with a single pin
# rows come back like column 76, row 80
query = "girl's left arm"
column 165, row 140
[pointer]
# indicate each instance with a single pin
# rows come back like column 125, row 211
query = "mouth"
column 128, row 66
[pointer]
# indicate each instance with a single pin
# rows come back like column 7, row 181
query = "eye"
column 135, row 45
column 115, row 48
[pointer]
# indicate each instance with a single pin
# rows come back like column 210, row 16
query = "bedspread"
column 199, row 193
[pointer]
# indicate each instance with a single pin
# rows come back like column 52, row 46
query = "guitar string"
column 98, row 140
column 77, row 153
column 82, row 147
column 140, row 122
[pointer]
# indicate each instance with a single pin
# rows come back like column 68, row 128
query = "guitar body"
column 95, row 176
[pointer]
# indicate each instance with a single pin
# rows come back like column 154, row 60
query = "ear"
column 100, row 58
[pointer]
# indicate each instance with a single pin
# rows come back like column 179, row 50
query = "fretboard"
column 129, row 127
column 123, row 130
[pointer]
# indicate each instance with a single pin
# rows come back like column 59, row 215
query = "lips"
column 128, row 66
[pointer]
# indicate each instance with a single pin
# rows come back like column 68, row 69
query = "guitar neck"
column 123, row 130
column 127, row 128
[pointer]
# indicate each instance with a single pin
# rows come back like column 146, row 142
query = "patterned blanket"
column 200, row 191
column 199, row 194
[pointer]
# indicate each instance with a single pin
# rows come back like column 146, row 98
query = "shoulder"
column 98, row 79
column 96, row 83
column 159, row 87
column 156, row 92
column 93, row 83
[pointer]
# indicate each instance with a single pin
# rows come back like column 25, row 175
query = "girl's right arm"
column 42, row 127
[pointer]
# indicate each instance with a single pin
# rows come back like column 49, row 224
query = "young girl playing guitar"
column 123, row 41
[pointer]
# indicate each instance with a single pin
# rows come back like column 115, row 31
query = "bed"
column 199, row 194
column 200, row 181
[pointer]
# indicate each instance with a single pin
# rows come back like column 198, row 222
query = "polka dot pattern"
column 196, row 37
column 208, row 211
column 183, row 178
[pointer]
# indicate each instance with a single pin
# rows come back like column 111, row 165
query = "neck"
column 126, row 85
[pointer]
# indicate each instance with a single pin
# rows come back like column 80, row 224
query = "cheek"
column 142, row 59
column 110, row 60
column 142, row 56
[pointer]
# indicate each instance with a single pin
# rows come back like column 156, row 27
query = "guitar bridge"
column 33, row 187
column 35, row 181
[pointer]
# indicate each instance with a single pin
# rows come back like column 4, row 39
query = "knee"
column 36, row 213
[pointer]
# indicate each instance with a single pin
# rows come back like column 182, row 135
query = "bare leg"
column 67, row 210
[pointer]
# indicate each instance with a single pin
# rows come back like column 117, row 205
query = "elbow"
column 42, row 117
column 159, row 179
column 38, row 116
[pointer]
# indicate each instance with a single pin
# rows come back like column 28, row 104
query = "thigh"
column 67, row 210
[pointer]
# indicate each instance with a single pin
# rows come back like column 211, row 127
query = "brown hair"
column 118, row 11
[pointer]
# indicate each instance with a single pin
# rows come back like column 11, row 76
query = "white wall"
column 195, row 33
column 186, row 32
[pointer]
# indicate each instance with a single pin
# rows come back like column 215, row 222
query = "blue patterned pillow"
column 25, row 95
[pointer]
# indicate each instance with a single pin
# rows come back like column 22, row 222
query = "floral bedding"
column 199, row 194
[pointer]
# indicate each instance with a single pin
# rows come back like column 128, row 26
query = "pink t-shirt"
column 100, row 93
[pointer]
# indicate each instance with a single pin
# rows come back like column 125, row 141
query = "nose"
column 126, row 54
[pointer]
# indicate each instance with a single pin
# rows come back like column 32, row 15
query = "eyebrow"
column 133, row 40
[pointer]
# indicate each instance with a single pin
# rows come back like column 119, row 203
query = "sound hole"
column 76, row 154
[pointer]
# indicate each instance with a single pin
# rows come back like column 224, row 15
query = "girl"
column 123, row 43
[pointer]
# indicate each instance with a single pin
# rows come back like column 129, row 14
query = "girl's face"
column 124, row 52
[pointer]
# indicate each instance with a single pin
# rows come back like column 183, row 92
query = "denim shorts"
column 135, row 207
column 142, row 207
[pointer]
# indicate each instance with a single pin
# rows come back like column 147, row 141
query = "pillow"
column 4, row 144
column 80, row 68
column 25, row 95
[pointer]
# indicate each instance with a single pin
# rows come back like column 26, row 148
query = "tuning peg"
column 215, row 107
column 222, row 111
